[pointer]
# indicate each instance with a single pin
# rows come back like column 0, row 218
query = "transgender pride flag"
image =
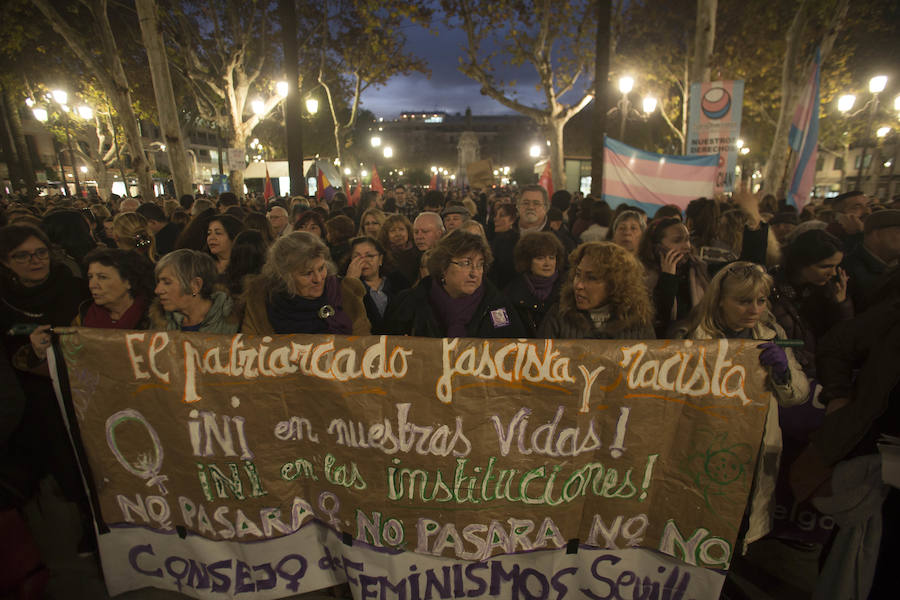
column 804, row 140
column 649, row 180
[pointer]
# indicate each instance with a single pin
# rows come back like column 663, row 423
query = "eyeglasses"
column 366, row 256
column 468, row 263
column 25, row 257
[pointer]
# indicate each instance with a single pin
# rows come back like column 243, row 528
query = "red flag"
column 376, row 181
column 546, row 180
column 433, row 185
column 346, row 188
column 357, row 194
column 268, row 191
column 320, row 184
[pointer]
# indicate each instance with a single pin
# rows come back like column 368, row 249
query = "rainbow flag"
column 649, row 180
column 804, row 140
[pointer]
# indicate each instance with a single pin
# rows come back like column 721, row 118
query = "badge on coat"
column 499, row 317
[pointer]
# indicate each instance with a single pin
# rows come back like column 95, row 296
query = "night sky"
column 447, row 90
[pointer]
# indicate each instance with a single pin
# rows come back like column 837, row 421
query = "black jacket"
column 394, row 284
column 530, row 309
column 412, row 314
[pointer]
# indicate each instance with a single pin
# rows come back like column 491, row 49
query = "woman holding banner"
column 121, row 285
column 298, row 292
column 455, row 300
column 603, row 298
column 186, row 299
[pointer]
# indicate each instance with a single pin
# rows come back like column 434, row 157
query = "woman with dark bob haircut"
column 311, row 221
column 298, row 292
column 603, row 298
column 455, row 300
column 810, row 292
column 186, row 299
column 368, row 263
column 121, row 284
column 538, row 258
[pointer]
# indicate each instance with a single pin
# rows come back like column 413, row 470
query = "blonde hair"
column 740, row 279
column 623, row 274
column 132, row 233
column 371, row 212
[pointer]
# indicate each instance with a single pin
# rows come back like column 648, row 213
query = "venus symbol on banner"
column 144, row 467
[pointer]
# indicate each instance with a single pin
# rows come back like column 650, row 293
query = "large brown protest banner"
column 456, row 453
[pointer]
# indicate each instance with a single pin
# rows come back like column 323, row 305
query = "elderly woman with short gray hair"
column 186, row 299
column 298, row 292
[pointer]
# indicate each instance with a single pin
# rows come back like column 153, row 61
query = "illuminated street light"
column 400, row 173
column 897, row 103
column 388, row 152
column 312, row 106
column 376, row 141
column 877, row 84
column 29, row 102
column 40, row 114
column 626, row 84
column 83, row 169
column 363, row 173
column 347, row 171
column 60, row 96
column 739, row 143
column 85, row 112
column 846, row 102
column 282, row 88
column 434, row 169
column 649, row 104
column 745, row 150
column 883, row 131
column 258, row 107
column 534, row 151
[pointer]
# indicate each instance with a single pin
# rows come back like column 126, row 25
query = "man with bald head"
column 427, row 230
column 278, row 219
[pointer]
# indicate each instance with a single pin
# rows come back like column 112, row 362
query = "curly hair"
column 131, row 267
column 455, row 244
column 292, row 253
column 384, row 232
column 739, row 279
column 532, row 245
column 623, row 274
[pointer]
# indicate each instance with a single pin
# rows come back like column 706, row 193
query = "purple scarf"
column 293, row 314
column 454, row 313
column 541, row 286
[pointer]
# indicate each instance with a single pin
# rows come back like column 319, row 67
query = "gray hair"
column 199, row 205
column 188, row 265
column 433, row 216
column 292, row 253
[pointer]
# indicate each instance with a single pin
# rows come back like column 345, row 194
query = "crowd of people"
column 507, row 263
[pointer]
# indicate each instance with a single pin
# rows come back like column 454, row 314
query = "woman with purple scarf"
column 538, row 258
column 297, row 292
column 455, row 300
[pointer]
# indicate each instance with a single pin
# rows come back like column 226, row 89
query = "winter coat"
column 806, row 313
column 531, row 310
column 222, row 316
column 566, row 322
column 665, row 289
column 794, row 392
column 256, row 316
column 412, row 314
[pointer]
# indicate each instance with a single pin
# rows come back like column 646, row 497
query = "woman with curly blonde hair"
column 131, row 232
column 603, row 298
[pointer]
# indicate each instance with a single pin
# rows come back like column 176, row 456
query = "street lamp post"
column 876, row 86
column 626, row 84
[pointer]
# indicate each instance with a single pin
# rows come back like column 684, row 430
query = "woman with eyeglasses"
column 367, row 263
column 455, row 300
column 37, row 290
column 603, row 298
column 298, row 292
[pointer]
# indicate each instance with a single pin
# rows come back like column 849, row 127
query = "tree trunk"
column 293, row 123
column 601, row 83
column 26, row 168
column 165, row 96
column 794, row 75
column 107, row 67
column 554, row 132
column 704, row 40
